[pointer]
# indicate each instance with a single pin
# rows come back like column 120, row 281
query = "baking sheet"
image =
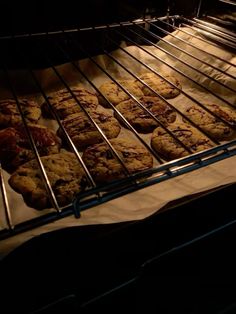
column 142, row 203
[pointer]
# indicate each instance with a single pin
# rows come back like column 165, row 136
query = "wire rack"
column 52, row 48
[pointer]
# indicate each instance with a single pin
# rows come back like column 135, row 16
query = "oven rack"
column 140, row 33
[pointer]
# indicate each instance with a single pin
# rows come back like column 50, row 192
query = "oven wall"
column 38, row 16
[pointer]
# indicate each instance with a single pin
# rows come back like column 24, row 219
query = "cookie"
column 64, row 103
column 10, row 115
column 82, row 131
column 159, row 85
column 115, row 94
column 140, row 119
column 15, row 148
column 104, row 167
column 168, row 148
column 209, row 123
column 65, row 175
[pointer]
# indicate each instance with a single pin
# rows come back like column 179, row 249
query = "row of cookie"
column 141, row 120
column 67, row 177
column 15, row 148
column 153, row 85
column 65, row 104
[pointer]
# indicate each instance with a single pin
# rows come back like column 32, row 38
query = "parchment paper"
column 142, row 203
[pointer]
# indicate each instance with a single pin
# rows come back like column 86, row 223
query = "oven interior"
column 30, row 48
column 114, row 263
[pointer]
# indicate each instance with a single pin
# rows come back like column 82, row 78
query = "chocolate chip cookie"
column 140, row 119
column 209, row 123
column 104, row 167
column 83, row 132
column 169, row 148
column 115, row 94
column 64, row 103
column 64, row 172
column 10, row 115
column 159, row 85
column 15, row 148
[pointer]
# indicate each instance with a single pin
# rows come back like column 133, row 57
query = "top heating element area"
column 93, row 113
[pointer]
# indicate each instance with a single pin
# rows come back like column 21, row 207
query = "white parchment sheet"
column 142, row 203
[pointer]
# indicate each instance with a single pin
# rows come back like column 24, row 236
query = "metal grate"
column 45, row 48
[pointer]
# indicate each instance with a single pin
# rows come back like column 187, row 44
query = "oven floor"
column 169, row 262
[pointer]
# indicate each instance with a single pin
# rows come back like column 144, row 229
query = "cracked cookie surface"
column 167, row 146
column 104, row 166
column 65, row 175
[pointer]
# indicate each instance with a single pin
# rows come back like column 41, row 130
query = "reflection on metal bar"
column 231, row 2
column 214, row 35
column 197, row 37
column 5, row 201
column 220, row 31
column 187, row 53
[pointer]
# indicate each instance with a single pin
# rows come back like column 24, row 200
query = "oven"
column 115, row 239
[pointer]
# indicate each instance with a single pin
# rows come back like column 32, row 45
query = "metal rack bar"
column 145, row 109
column 114, row 152
column 231, row 2
column 68, row 139
column 195, row 36
column 204, row 40
column 187, row 53
column 180, row 72
column 128, row 125
column 5, row 202
column 32, row 143
column 214, row 35
column 131, row 183
column 220, row 31
column 161, row 97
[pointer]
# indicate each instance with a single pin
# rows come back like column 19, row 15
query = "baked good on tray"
column 104, row 167
column 64, row 103
column 65, row 175
column 83, row 132
column 115, row 94
column 167, row 146
column 209, row 123
column 15, row 148
column 10, row 115
column 159, row 85
column 140, row 119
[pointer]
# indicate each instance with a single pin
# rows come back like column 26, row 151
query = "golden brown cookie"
column 82, row 131
column 209, row 123
column 159, row 85
column 104, row 167
column 15, row 148
column 65, row 104
column 115, row 94
column 10, row 115
column 140, row 119
column 64, row 172
column 168, row 148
